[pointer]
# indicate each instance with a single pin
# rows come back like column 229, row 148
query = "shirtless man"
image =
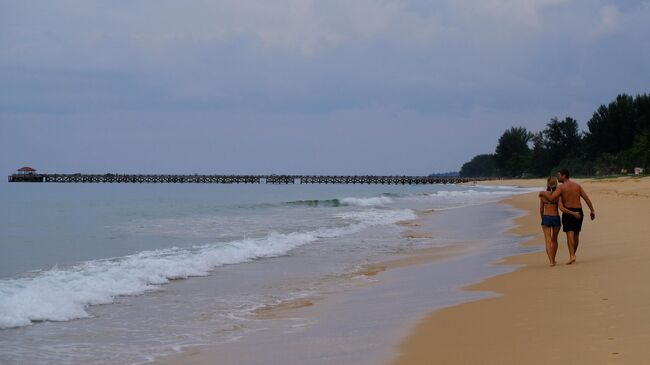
column 572, row 215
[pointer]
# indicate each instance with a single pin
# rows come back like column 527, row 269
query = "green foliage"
column 559, row 140
column 512, row 155
column 611, row 128
column 619, row 134
column 480, row 166
column 618, row 138
column 640, row 152
column 578, row 166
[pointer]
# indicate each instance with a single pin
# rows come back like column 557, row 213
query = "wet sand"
column 363, row 325
column 596, row 311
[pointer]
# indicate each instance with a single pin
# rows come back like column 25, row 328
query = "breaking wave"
column 64, row 294
column 358, row 202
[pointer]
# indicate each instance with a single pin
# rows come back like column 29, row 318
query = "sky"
column 302, row 86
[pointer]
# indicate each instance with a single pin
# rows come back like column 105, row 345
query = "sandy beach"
column 594, row 312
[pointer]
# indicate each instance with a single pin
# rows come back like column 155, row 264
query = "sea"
column 131, row 273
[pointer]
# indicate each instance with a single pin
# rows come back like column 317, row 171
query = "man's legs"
column 571, row 243
column 576, row 241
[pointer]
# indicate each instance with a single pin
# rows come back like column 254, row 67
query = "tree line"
column 617, row 139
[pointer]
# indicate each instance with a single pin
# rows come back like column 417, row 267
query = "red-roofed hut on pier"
column 26, row 170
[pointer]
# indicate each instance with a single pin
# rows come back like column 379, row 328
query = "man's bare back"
column 571, row 193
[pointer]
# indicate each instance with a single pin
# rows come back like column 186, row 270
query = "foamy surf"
column 471, row 196
column 367, row 202
column 62, row 294
column 350, row 201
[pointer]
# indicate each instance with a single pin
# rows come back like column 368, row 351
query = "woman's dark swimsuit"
column 572, row 223
column 551, row 220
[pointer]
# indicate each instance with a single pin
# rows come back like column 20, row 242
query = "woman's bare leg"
column 548, row 239
column 556, row 232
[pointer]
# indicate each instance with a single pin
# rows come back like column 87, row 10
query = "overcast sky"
column 299, row 86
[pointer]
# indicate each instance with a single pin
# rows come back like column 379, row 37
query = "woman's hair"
column 551, row 183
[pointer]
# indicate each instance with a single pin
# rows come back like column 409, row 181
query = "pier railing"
column 238, row 179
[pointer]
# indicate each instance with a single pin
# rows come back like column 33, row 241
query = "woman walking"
column 549, row 212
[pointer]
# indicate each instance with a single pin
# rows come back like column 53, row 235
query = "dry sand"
column 594, row 312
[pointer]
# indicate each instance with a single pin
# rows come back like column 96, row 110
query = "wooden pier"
column 237, row 179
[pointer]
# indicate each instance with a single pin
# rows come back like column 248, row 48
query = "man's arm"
column 563, row 209
column 584, row 196
column 551, row 196
column 541, row 207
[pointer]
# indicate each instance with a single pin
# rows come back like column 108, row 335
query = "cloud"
column 610, row 17
column 303, row 25
column 519, row 12
column 308, row 56
column 604, row 21
column 76, row 30
column 300, row 70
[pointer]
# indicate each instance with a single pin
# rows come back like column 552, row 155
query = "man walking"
column 572, row 214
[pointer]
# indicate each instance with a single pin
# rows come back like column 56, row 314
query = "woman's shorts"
column 551, row 220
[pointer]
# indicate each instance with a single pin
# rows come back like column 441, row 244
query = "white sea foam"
column 367, row 202
column 378, row 216
column 505, row 187
column 452, row 199
column 464, row 193
column 478, row 194
column 64, row 294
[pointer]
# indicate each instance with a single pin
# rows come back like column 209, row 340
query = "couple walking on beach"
column 566, row 198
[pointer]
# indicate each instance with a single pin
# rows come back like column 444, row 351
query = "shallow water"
column 66, row 249
column 363, row 325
